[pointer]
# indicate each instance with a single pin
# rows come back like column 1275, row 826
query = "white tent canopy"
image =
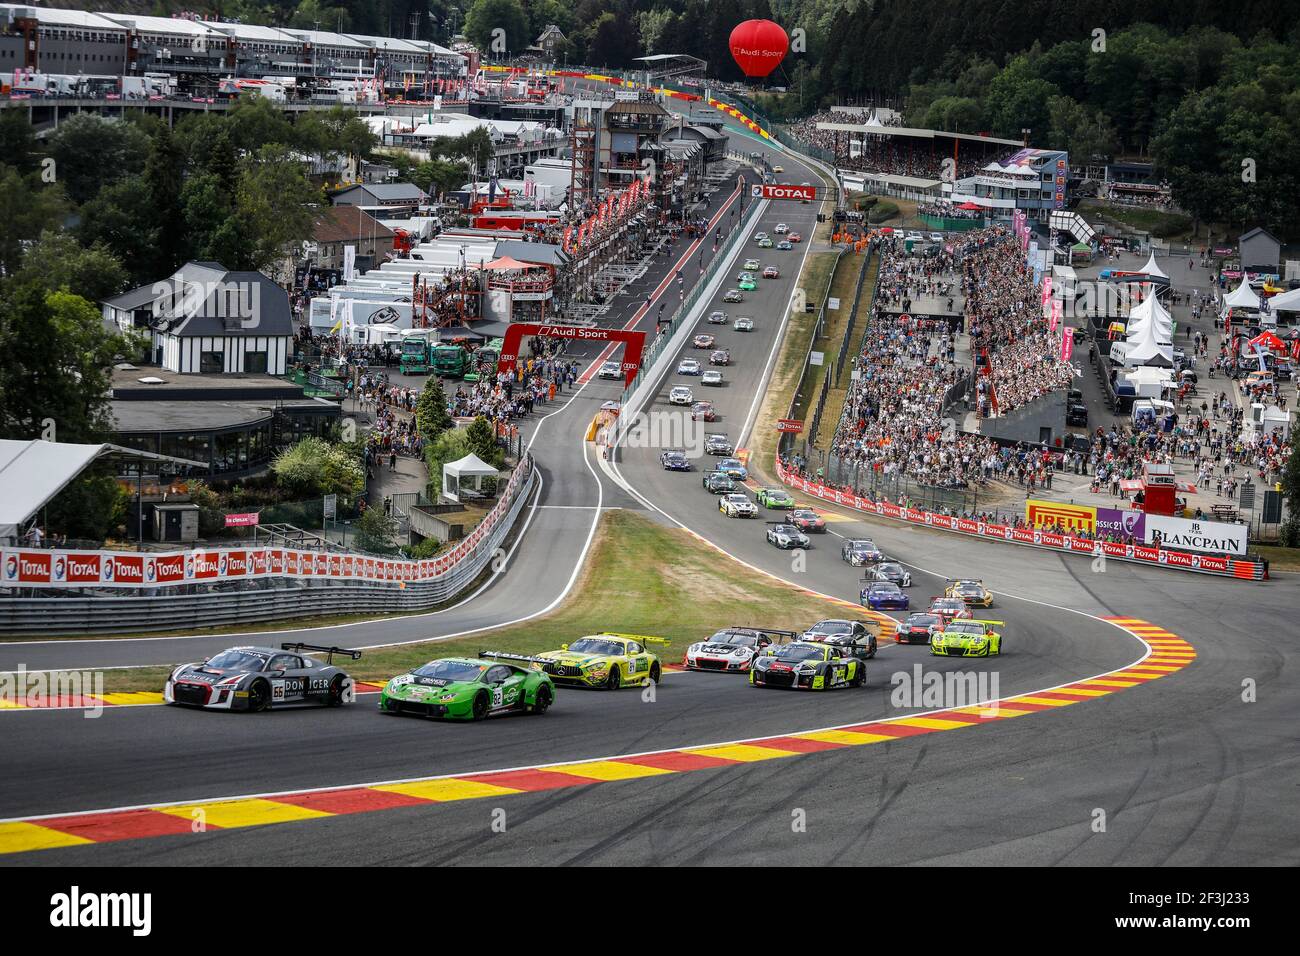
column 1152, row 269
column 1145, row 348
column 1286, row 301
column 1150, row 314
column 1242, row 297
column 465, row 477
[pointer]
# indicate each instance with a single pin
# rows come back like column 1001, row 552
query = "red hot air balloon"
column 758, row 47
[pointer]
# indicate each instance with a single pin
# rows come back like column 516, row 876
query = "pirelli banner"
column 41, row 568
column 1146, row 552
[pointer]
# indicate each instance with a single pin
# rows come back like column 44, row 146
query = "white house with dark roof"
column 206, row 319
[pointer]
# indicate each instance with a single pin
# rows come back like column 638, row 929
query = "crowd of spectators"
column 894, row 419
column 1006, row 324
column 946, row 209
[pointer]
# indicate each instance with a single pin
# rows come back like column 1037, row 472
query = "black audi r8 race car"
column 853, row 636
column 803, row 665
column 257, row 678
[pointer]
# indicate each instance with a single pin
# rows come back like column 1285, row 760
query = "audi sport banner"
column 38, row 568
column 1147, row 553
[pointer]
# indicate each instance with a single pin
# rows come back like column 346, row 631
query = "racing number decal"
column 497, row 697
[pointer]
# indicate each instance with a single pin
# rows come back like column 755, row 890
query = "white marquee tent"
column 1150, row 313
column 465, row 477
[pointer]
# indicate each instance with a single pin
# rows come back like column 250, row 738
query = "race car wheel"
column 336, row 691
column 872, row 652
column 615, row 680
column 860, row 678
column 479, row 709
column 541, row 700
column 654, row 673
column 259, row 696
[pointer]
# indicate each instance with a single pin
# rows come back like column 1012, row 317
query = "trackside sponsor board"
column 1103, row 518
column 1191, row 535
column 40, row 568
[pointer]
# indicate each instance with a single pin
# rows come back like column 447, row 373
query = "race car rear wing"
column 504, row 656
column 643, row 638
column 773, row 632
column 329, row 652
column 973, row 620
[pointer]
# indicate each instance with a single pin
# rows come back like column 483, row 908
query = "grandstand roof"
column 175, row 25
column 325, row 38
column 61, row 18
column 912, row 132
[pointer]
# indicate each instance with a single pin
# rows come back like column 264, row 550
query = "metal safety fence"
column 87, row 609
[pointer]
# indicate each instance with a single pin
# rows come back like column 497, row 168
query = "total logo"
column 110, row 569
column 189, row 565
column 150, row 572
column 11, row 567
column 60, row 568
column 222, row 564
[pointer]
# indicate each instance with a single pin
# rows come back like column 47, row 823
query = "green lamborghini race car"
column 775, row 498
column 463, row 688
column 607, row 660
column 967, row 637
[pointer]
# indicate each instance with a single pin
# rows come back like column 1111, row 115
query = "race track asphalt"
column 1181, row 769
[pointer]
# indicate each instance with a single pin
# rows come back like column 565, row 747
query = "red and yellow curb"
column 122, row 699
column 1167, row 654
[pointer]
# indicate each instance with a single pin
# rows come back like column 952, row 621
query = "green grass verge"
column 637, row 571
column 1278, row 557
column 1162, row 225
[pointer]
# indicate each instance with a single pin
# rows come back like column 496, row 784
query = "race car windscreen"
column 238, row 661
column 594, row 645
column 962, row 627
column 800, row 653
column 732, row 637
column 922, row 620
column 831, row 627
column 450, row 670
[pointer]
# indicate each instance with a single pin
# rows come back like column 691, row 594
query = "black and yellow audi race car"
column 608, row 660
column 805, row 665
column 972, row 591
column 968, row 638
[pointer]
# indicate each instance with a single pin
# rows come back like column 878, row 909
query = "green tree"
column 272, row 206
column 376, row 532
column 121, row 218
column 431, row 415
column 255, row 123
column 1290, row 531
column 487, row 16
column 451, row 445
column 315, row 467
column 91, row 152
column 17, row 141
column 163, row 177
column 27, row 209
column 90, row 507
column 61, row 263
column 483, row 442
column 57, row 360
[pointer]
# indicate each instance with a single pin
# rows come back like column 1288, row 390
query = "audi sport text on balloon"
column 758, row 46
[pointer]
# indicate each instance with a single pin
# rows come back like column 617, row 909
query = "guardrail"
column 1219, row 565
column 236, row 586
column 664, row 342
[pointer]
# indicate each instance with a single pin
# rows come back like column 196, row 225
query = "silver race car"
column 257, row 678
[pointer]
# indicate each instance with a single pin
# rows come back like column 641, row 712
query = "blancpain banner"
column 1211, row 536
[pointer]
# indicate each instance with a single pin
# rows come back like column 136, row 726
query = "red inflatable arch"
column 634, row 341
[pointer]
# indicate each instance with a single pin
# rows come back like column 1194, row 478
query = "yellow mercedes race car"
column 608, row 660
column 973, row 592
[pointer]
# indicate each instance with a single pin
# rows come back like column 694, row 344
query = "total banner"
column 40, row 568
column 1037, row 537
